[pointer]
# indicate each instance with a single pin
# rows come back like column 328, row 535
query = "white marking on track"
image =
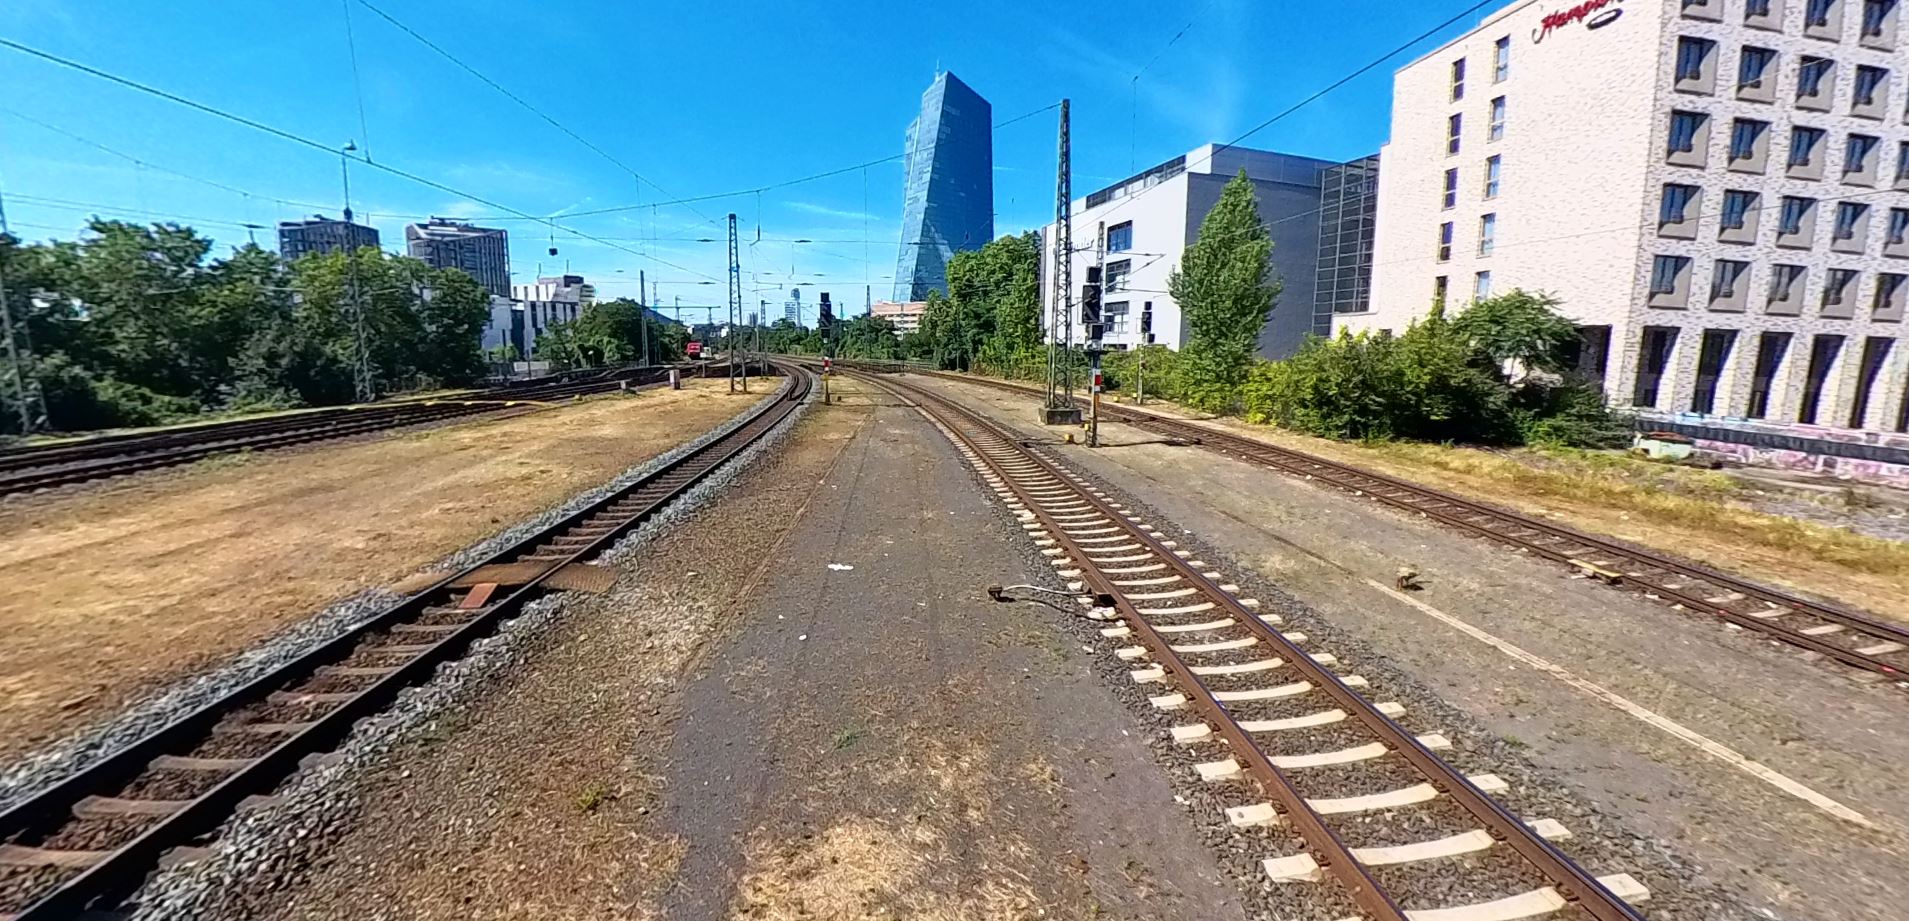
column 1647, row 716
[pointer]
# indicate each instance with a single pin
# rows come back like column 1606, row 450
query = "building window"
column 1669, row 281
column 1481, row 286
column 1852, row 222
column 1711, row 357
column 1497, row 129
column 1875, row 352
column 1859, row 159
column 1703, row 9
column 1879, row 23
column 1891, row 291
column 1796, row 224
column 1902, row 165
column 1458, row 79
column 1804, row 143
column 1749, row 146
column 1737, row 206
column 1440, row 287
column 1673, row 212
column 1501, row 60
column 1652, row 359
column 1686, row 133
column 1445, row 242
column 1451, row 188
column 1755, row 78
column 1836, row 301
column 1871, row 98
column 1120, row 237
column 1453, row 128
column 1823, row 351
column 1823, row 15
column 1725, row 283
column 1815, row 83
column 1494, row 172
column 1771, row 348
column 1116, row 276
column 1786, row 284
column 1758, row 13
column 1694, row 73
column 1898, row 227
column 1487, row 234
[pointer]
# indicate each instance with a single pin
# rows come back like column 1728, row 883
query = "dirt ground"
column 743, row 730
column 117, row 589
column 1751, row 707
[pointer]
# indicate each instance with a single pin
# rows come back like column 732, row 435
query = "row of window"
column 1494, row 177
column 1772, row 351
column 1740, row 217
column 1442, row 285
column 1877, row 24
column 1455, row 127
column 1732, row 287
column 1758, row 70
column 1500, row 67
column 1864, row 161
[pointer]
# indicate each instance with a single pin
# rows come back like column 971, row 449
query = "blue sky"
column 697, row 98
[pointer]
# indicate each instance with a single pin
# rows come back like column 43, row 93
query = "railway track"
column 89, row 841
column 1401, row 832
column 1857, row 640
column 28, row 469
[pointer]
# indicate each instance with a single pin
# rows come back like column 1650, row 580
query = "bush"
column 1420, row 385
column 1570, row 413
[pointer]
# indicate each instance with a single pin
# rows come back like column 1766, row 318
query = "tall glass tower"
column 948, row 202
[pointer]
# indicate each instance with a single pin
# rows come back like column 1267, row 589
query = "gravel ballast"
column 1599, row 841
column 261, row 847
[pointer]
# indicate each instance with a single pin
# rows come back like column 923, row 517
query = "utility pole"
column 1090, row 318
column 362, row 371
column 643, row 315
column 736, row 373
column 1060, row 408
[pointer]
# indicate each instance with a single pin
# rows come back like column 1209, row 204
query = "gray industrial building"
column 323, row 235
column 482, row 253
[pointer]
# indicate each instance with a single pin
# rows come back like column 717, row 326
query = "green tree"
column 1226, row 290
column 1518, row 328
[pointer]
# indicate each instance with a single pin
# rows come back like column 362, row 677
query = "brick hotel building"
column 1717, row 189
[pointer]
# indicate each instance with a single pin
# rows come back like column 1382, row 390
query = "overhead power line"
column 147, row 164
column 493, row 84
column 790, row 182
column 1328, row 88
column 318, row 146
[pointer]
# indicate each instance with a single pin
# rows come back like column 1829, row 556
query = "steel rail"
column 1577, row 886
column 1402, row 494
column 116, row 873
column 59, row 465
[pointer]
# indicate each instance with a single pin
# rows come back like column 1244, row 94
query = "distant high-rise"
column 323, row 235
column 792, row 308
column 482, row 253
column 948, row 202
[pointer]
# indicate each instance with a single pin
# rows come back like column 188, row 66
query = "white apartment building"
column 552, row 299
column 1148, row 219
column 1718, row 190
column 904, row 315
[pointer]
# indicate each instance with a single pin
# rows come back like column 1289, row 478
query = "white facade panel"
column 1594, row 113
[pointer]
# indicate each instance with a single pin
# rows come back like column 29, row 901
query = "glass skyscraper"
column 948, row 202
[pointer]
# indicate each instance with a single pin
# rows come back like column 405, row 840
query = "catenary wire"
column 315, row 145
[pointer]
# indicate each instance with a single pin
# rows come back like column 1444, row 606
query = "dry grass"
column 1693, row 513
column 118, row 589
